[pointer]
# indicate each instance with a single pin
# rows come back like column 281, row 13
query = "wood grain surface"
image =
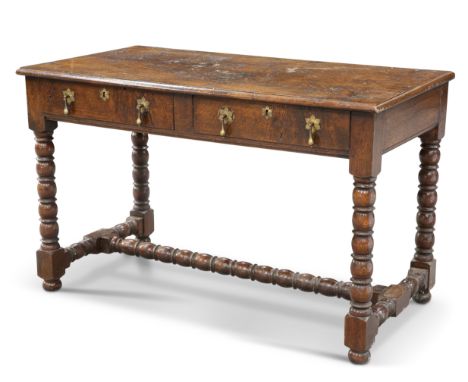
column 307, row 83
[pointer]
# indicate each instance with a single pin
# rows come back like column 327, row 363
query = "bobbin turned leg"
column 141, row 191
column 365, row 157
column 360, row 325
column 51, row 258
column 427, row 197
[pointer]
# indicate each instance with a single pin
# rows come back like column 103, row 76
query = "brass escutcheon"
column 142, row 108
column 226, row 116
column 68, row 99
column 312, row 125
column 267, row 112
column 104, row 94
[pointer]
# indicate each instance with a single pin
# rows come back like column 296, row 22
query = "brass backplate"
column 104, row 94
column 225, row 115
column 267, row 112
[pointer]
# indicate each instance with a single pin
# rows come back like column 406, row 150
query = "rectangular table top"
column 308, row 83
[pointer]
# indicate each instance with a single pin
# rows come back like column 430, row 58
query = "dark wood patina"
column 352, row 111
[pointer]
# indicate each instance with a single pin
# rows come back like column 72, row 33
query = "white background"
column 119, row 318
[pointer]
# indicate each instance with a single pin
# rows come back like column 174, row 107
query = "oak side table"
column 350, row 111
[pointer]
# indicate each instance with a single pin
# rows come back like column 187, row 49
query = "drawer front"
column 286, row 125
column 110, row 104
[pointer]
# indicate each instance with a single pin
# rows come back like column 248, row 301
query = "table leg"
column 51, row 258
column 360, row 324
column 427, row 197
column 141, row 190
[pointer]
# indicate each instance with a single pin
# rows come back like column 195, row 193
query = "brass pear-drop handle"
column 225, row 116
column 68, row 99
column 142, row 108
column 312, row 125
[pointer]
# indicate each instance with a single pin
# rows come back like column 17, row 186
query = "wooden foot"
column 359, row 358
column 426, row 217
column 422, row 298
column 360, row 323
column 52, row 285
